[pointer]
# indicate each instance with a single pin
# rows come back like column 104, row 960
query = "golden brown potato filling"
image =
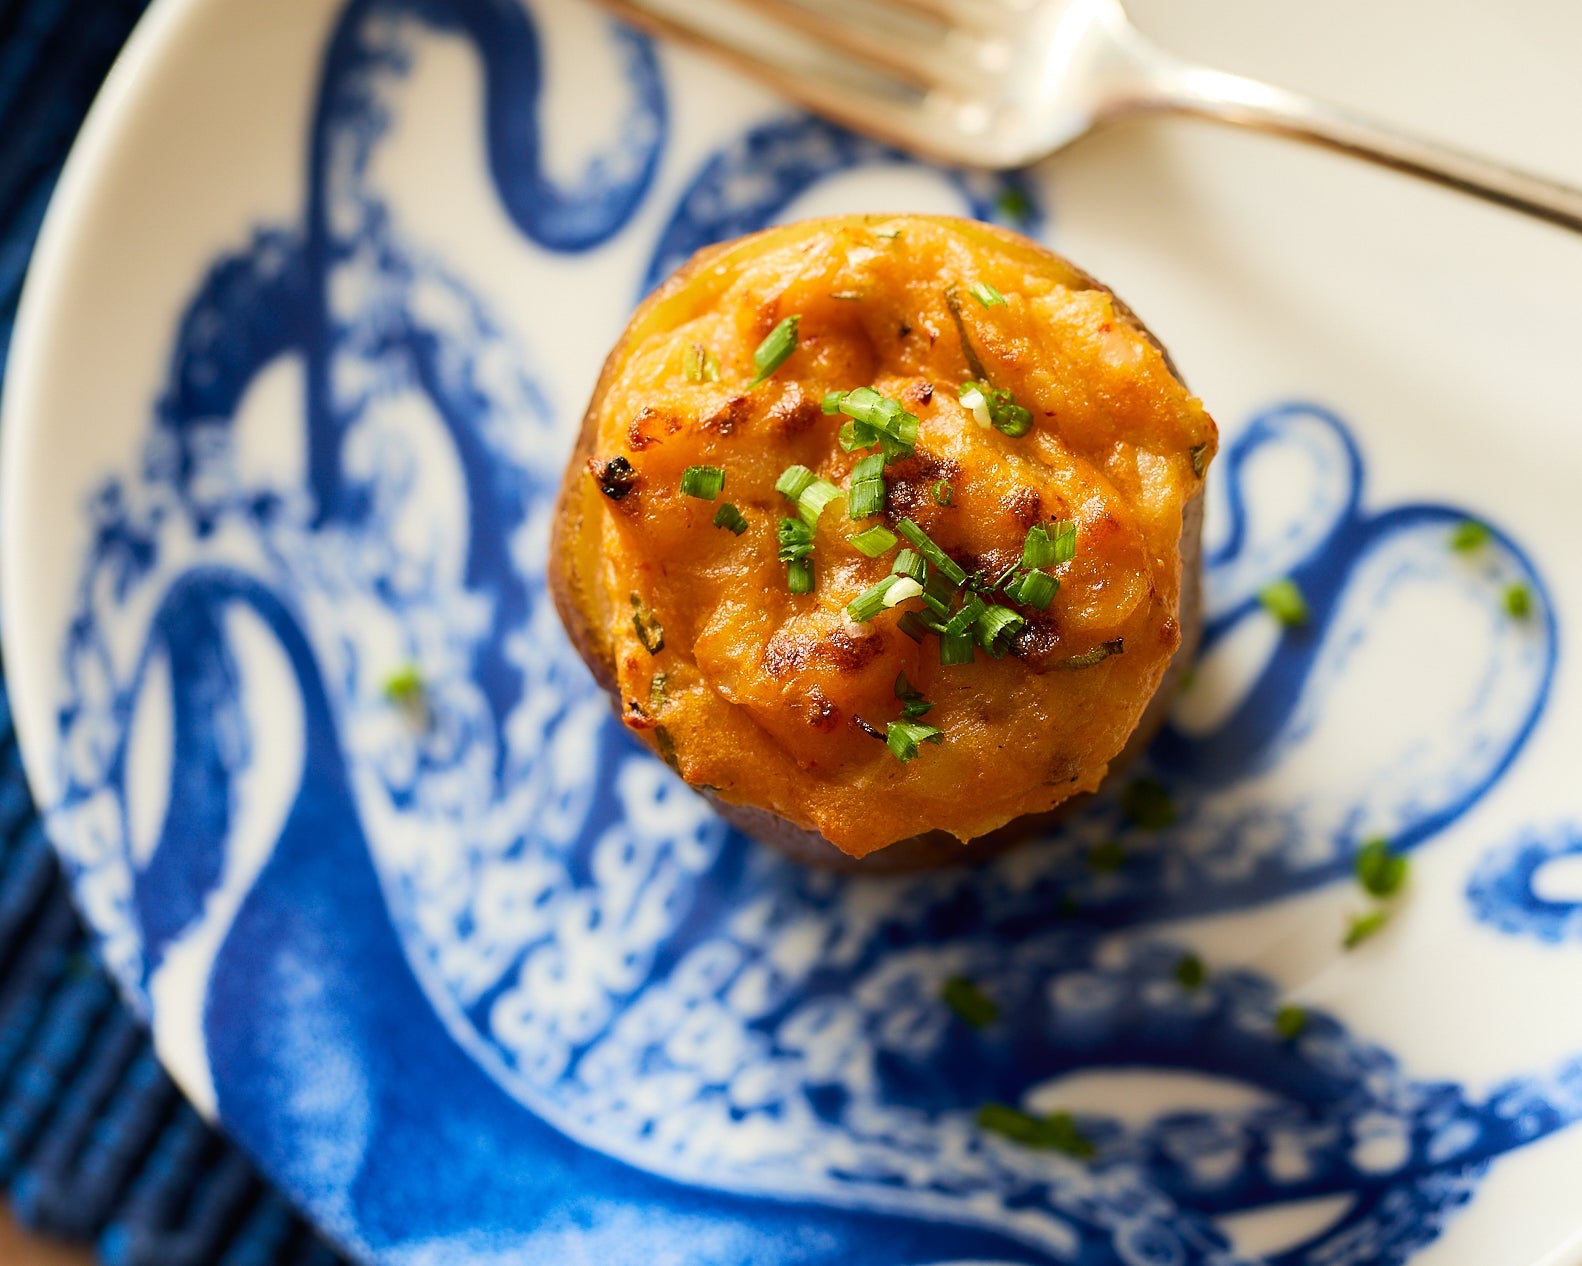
column 783, row 700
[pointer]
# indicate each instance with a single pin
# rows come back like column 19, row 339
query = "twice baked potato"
column 883, row 532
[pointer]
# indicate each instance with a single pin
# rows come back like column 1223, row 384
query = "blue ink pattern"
column 498, row 984
column 1503, row 889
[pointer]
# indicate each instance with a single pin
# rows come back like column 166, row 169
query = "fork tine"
column 848, row 90
column 925, row 65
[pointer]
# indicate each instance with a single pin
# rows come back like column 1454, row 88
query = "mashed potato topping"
column 1041, row 405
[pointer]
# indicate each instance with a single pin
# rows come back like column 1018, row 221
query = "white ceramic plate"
column 319, row 302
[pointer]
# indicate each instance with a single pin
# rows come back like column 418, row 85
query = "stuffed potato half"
column 882, row 529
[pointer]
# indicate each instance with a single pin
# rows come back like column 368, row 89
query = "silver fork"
column 1002, row 83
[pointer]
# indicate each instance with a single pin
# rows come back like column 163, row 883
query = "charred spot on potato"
column 615, row 477
column 784, row 655
column 793, row 413
column 1024, row 506
column 730, row 415
column 918, row 395
column 644, row 429
column 840, row 650
column 904, row 330
column 867, row 729
column 820, row 711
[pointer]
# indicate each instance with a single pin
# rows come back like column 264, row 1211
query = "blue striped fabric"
column 95, row 1142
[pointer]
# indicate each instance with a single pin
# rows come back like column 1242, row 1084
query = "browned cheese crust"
column 770, row 701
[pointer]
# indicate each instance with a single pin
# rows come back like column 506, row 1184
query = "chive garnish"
column 911, row 697
column 1361, row 926
column 1283, row 600
column 1518, row 601
column 1148, row 804
column 996, row 407
column 776, row 349
column 1038, row 550
column 1199, row 455
column 814, row 498
column 944, row 494
column 1035, row 589
column 986, row 294
column 938, row 593
column 1013, row 204
column 936, row 557
column 404, row 687
column 996, row 627
column 867, row 487
column 874, row 541
column 1065, row 539
column 701, row 365
column 1380, row 871
column 793, row 481
column 903, row 738
column 1056, row 1132
column 799, row 576
column 903, row 588
column 649, row 631
column 875, row 419
column 656, row 691
column 730, row 518
column 870, row 601
column 795, row 540
column 1290, row 1022
column 1190, row 972
column 702, row 482
column 955, row 648
column 1097, row 655
column 965, row 618
column 970, row 1003
column 953, row 302
column 1470, row 536
column 910, row 563
column 1108, row 856
column 912, row 625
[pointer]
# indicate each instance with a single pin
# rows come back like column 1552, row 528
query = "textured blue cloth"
column 95, row 1142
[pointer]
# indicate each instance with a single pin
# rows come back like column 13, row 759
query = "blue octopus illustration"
column 489, row 985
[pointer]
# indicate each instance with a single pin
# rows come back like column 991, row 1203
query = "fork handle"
column 1226, row 98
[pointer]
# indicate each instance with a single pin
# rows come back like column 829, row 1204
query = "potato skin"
column 1121, row 447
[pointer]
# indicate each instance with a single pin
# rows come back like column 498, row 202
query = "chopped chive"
column 1065, row 539
column 649, row 631
column 1148, row 805
column 944, row 494
column 701, row 365
column 795, row 540
column 1199, row 455
column 888, row 235
column 910, row 563
column 976, row 402
column 1056, row 1132
column 730, row 518
column 1097, row 655
column 938, row 594
column 903, row 588
column 903, row 738
column 1470, row 536
column 875, row 419
column 1190, row 972
column 986, row 294
column 1035, row 589
column 1014, row 205
column 799, row 575
column 656, row 691
column 970, row 1003
column 995, row 629
column 1361, row 926
column 667, row 747
column 936, row 557
column 968, row 616
column 793, row 481
column 1290, row 1022
column 831, row 401
column 911, row 697
column 774, row 351
column 1037, row 549
column 1108, row 856
column 814, row 498
column 1518, row 602
column 1283, row 600
column 1012, row 419
column 867, row 487
column 702, row 482
column 1380, row 871
column 870, row 601
column 955, row 648
column 404, row 687
column 874, row 541
column 1001, row 580
column 912, row 625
